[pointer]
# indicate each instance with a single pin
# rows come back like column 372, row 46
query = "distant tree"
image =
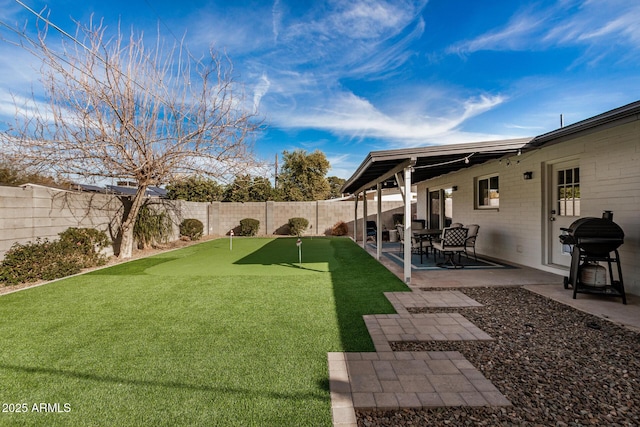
column 335, row 184
column 10, row 175
column 261, row 189
column 246, row 188
column 119, row 108
column 238, row 190
column 14, row 175
column 303, row 176
column 195, row 189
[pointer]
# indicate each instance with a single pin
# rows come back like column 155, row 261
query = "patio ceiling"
column 427, row 162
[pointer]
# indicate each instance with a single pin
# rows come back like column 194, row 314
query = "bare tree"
column 116, row 108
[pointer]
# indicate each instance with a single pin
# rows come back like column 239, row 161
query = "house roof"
column 130, row 191
column 616, row 117
column 433, row 161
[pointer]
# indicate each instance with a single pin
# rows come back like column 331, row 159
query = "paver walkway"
column 446, row 299
column 391, row 380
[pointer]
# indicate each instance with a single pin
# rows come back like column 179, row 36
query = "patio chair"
column 415, row 244
column 470, row 243
column 372, row 230
column 452, row 243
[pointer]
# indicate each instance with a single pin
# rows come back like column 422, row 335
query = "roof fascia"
column 616, row 117
column 400, row 167
column 498, row 146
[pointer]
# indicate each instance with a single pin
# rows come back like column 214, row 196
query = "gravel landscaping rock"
column 557, row 365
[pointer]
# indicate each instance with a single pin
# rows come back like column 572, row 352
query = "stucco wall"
column 519, row 230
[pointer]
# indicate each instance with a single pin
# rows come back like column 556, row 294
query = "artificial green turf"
column 199, row 336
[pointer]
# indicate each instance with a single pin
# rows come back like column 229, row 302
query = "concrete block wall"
column 283, row 211
column 274, row 216
column 32, row 212
column 228, row 216
column 38, row 212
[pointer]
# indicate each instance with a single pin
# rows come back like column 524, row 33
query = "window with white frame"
column 488, row 192
column 569, row 192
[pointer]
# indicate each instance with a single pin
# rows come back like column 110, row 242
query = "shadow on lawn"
column 284, row 252
column 133, row 268
column 163, row 384
column 358, row 281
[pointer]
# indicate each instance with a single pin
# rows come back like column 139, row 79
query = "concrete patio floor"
column 386, row 380
column 541, row 282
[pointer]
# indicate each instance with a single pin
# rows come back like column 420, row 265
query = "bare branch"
column 117, row 109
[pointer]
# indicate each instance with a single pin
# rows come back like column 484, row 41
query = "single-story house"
column 522, row 192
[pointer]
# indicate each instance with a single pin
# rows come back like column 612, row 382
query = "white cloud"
column 515, row 35
column 346, row 114
column 386, row 59
column 565, row 24
column 276, row 19
column 260, row 90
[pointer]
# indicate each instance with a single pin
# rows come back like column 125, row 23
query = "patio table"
column 426, row 233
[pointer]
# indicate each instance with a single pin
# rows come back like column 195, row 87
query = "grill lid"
column 594, row 228
column 594, row 235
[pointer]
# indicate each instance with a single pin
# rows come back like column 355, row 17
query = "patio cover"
column 420, row 164
column 401, row 168
column 430, row 162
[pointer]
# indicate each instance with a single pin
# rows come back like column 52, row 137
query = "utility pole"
column 275, row 179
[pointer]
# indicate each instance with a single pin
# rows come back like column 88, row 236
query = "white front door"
column 564, row 208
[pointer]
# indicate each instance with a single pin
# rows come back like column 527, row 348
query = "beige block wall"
column 274, row 216
column 36, row 212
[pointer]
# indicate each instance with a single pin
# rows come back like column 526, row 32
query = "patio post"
column 355, row 217
column 379, row 221
column 364, row 219
column 407, row 225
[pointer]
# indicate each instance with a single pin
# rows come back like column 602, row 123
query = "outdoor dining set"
column 448, row 242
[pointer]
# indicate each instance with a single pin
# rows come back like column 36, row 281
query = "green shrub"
column 88, row 244
column 77, row 248
column 191, row 228
column 249, row 227
column 151, row 227
column 297, row 226
column 340, row 229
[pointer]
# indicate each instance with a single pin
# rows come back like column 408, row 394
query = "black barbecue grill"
column 594, row 240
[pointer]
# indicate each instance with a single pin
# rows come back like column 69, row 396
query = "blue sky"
column 349, row 77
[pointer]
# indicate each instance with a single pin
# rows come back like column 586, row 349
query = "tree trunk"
column 128, row 222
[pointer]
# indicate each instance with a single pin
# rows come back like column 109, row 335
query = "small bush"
column 340, row 229
column 88, row 244
column 191, row 228
column 77, row 248
column 249, row 227
column 297, row 226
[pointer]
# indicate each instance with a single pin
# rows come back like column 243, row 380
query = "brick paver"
column 445, row 299
column 392, row 380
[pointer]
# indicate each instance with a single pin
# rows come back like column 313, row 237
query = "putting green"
column 203, row 335
column 277, row 256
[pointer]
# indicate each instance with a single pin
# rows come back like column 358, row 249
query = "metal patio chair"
column 452, row 243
